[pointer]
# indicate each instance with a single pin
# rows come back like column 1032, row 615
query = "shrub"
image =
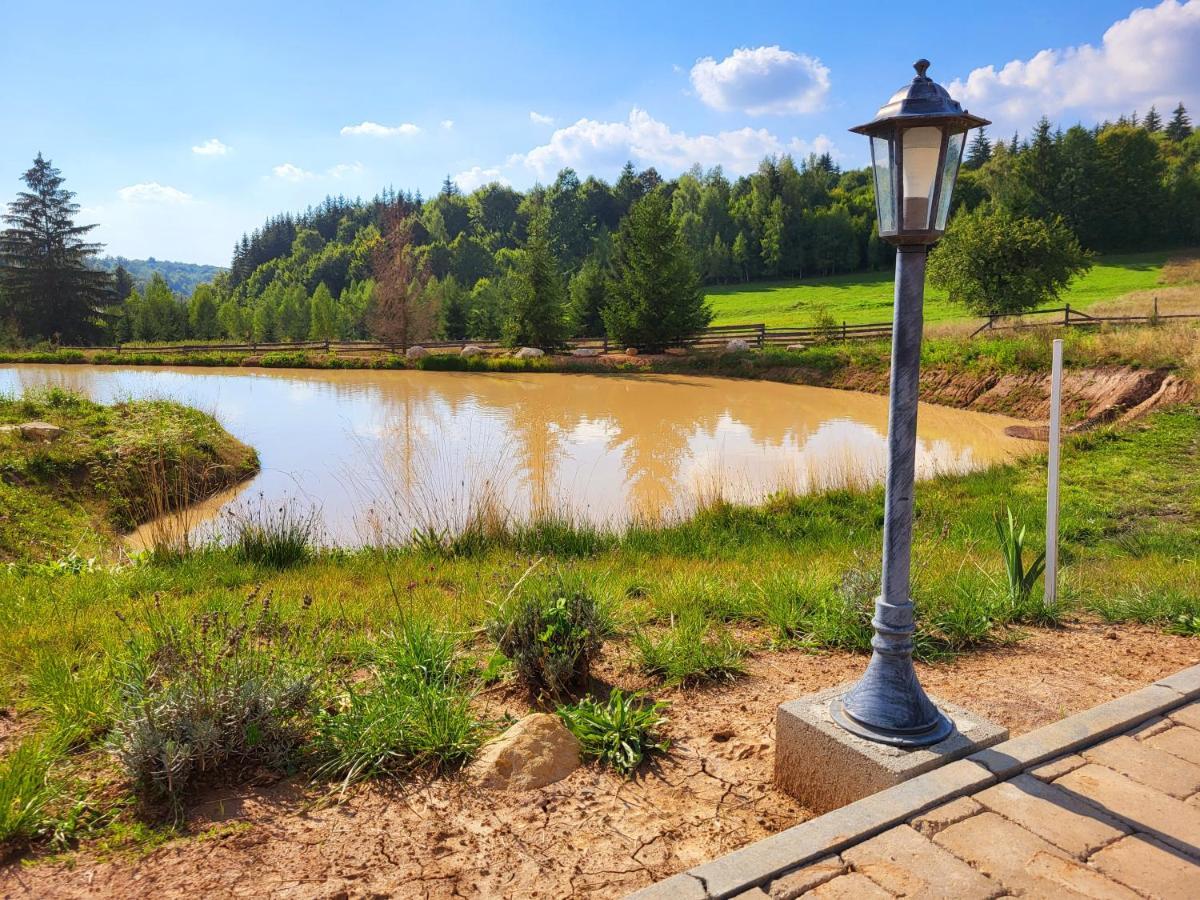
column 691, row 650
column 277, row 537
column 414, row 713
column 619, row 733
column 225, row 690
column 551, row 632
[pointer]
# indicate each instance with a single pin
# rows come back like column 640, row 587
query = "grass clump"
column 691, row 650
column 620, row 733
column 225, row 691
column 551, row 630
column 414, row 712
column 26, row 790
column 278, row 537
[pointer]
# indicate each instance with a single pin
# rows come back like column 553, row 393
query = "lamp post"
column 917, row 141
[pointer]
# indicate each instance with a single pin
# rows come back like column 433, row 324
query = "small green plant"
column 26, row 789
column 414, row 713
column 226, row 690
column 277, row 537
column 551, row 631
column 619, row 733
column 1021, row 580
column 75, row 696
column 691, row 650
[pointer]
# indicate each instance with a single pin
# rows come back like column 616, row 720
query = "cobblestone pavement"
column 1118, row 819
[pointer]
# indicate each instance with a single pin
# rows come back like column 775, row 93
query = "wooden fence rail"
column 1065, row 317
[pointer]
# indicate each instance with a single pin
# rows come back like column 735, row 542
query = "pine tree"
column 589, row 293
column 537, row 318
column 123, row 283
column 1180, row 126
column 47, row 286
column 1152, row 121
column 655, row 300
column 980, row 150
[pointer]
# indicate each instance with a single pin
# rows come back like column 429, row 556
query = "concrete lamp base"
column 824, row 766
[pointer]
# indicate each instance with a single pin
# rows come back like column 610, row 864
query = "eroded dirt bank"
column 593, row 834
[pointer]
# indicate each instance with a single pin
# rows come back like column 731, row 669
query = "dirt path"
column 591, row 835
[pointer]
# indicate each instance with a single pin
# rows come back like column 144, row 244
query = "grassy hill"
column 867, row 296
column 181, row 277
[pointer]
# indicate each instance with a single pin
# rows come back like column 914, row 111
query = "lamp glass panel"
column 885, row 191
column 919, row 159
column 954, row 148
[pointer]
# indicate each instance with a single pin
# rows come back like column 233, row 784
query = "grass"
column 867, row 296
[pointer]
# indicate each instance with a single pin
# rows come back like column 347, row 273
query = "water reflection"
column 383, row 452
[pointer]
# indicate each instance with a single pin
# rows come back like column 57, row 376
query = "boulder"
column 416, row 352
column 676, row 351
column 529, row 353
column 34, row 431
column 737, row 345
column 586, row 351
column 536, row 751
column 631, row 351
column 796, row 347
column 471, row 350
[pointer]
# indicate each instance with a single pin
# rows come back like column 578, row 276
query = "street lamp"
column 917, row 142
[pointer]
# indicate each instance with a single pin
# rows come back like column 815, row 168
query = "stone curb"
column 755, row 865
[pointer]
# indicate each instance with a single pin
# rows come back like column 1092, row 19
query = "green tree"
column 1180, row 126
column 995, row 263
column 322, row 319
column 203, row 321
column 48, row 284
column 655, row 300
column 123, row 283
column 589, row 293
column 979, row 151
column 537, row 316
column 1153, row 121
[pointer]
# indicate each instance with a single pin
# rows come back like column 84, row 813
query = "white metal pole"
column 1052, row 477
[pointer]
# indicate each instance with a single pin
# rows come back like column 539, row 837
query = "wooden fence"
column 1065, row 317
column 756, row 335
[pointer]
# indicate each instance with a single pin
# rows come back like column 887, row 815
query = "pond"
column 378, row 454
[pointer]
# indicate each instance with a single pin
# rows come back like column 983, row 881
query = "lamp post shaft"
column 888, row 704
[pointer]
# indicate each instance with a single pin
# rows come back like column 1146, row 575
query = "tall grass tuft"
column 223, row 691
column 26, row 790
column 551, row 629
column 278, row 537
column 691, row 650
column 620, row 733
column 74, row 695
column 1021, row 580
column 413, row 713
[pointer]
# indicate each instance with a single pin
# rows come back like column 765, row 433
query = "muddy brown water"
column 380, row 453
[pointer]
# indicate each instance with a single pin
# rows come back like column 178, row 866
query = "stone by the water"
column 529, row 353
column 416, row 352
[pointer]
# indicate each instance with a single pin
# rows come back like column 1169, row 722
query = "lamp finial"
column 921, row 65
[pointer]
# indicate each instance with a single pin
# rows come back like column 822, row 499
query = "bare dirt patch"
column 592, row 834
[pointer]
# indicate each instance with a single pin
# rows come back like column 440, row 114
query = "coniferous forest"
column 570, row 257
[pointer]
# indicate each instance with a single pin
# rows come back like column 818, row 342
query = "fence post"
column 606, row 343
column 1067, row 314
column 762, row 336
column 1156, row 309
column 1051, row 571
column 843, row 331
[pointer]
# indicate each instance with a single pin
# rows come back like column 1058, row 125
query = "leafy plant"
column 1021, row 580
column 619, row 733
column 691, row 650
column 551, row 632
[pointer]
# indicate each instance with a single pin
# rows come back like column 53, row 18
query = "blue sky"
column 181, row 129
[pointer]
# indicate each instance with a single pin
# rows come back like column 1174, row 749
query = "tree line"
column 584, row 256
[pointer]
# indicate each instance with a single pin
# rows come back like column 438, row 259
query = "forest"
column 469, row 257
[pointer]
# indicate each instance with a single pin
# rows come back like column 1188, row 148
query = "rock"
column 586, row 351
column 471, row 350
column 416, row 352
column 737, row 345
column 34, row 431
column 631, row 351
column 529, row 353
column 536, row 751
column 676, row 351
column 796, row 347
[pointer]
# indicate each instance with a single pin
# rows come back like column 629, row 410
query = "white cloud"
column 1150, row 57
column 448, row 124
column 289, row 172
column 538, row 119
column 477, row 176
column 374, row 129
column 592, row 146
column 153, row 192
column 762, row 80
column 346, row 170
column 212, row 147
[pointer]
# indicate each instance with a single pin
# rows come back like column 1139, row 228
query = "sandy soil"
column 593, row 834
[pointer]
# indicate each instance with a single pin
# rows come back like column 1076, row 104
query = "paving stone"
column 909, row 865
column 1022, row 862
column 1148, row 810
column 1188, row 715
column 678, row 887
column 935, row 820
column 850, row 887
column 1151, row 727
column 1146, row 865
column 752, row 894
column 1051, row 813
column 794, row 884
column 1185, row 682
column 1057, row 768
column 1181, row 741
column 1148, row 765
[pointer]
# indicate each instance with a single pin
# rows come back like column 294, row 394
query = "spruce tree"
column 655, row 300
column 123, row 283
column 980, row 150
column 1180, row 126
column 47, row 283
column 537, row 318
column 589, row 293
column 1152, row 121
